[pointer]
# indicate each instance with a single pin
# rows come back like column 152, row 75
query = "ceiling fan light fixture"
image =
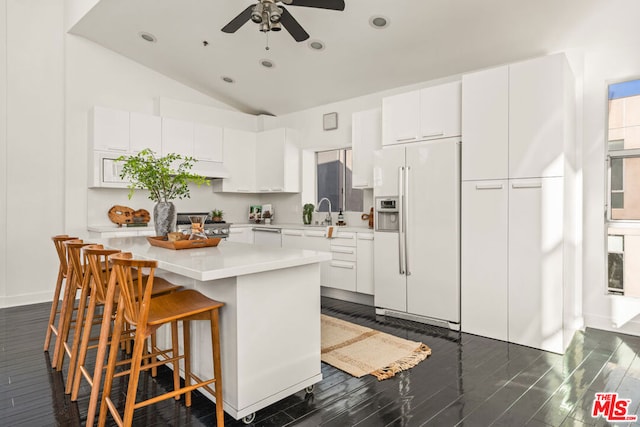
column 275, row 26
column 148, row 37
column 315, row 45
column 275, row 13
column 257, row 12
column 379, row 22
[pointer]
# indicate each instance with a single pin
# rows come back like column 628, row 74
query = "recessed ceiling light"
column 147, row 37
column 379, row 21
column 228, row 79
column 267, row 63
column 315, row 44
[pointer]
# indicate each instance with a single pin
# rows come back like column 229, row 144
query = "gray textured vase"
column 164, row 218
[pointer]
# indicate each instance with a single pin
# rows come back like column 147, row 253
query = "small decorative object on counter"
column 368, row 217
column 307, row 213
column 216, row 215
column 125, row 215
column 255, row 213
column 341, row 219
column 267, row 213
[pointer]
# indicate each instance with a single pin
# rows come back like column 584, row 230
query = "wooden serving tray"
column 163, row 242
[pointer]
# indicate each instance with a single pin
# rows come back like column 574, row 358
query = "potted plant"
column 216, row 215
column 165, row 183
column 307, row 213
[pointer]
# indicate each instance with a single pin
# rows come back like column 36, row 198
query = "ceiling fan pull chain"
column 267, row 46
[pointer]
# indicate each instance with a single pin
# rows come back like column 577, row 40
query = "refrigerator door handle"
column 406, row 220
column 401, row 236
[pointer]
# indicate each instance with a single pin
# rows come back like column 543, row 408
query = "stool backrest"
column 135, row 288
column 76, row 268
column 61, row 250
column 98, row 268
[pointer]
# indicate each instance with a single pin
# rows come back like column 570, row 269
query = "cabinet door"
column 239, row 159
column 485, row 125
column 389, row 285
column 400, row 118
column 145, row 131
column 386, row 169
column 270, row 160
column 207, row 142
column 440, row 111
column 364, row 262
column 341, row 275
column 484, row 258
column 536, row 263
column 240, row 235
column 109, row 129
column 316, row 240
column 366, row 134
column 177, row 137
column 293, row 239
column 537, row 117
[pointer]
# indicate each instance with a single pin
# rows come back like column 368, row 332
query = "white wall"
column 3, row 149
column 33, row 147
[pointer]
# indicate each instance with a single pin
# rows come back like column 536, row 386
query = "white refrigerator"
column 417, row 269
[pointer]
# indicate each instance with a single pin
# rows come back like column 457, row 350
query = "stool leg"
column 66, row 313
column 114, row 348
column 54, row 309
column 186, row 336
column 217, row 368
column 138, row 348
column 175, row 353
column 84, row 344
column 77, row 333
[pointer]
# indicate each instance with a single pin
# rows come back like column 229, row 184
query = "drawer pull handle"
column 533, row 185
column 347, row 266
column 342, row 251
column 489, row 187
column 409, row 138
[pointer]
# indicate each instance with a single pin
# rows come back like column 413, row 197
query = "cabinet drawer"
column 345, row 253
column 343, row 238
column 341, row 275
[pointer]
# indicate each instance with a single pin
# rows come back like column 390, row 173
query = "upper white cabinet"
column 277, row 161
column 440, row 111
column 239, row 154
column 424, row 114
column 207, row 142
column 109, row 129
column 541, row 111
column 485, row 124
column 145, row 131
column 517, row 120
column 366, row 137
column 177, row 137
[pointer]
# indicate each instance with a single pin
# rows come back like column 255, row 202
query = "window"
column 623, row 184
column 333, row 177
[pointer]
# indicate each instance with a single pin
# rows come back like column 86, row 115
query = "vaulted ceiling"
column 425, row 39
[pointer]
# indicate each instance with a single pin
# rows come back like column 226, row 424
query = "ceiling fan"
column 272, row 17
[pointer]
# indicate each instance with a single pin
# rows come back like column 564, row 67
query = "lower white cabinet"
column 364, row 260
column 516, row 262
column 240, row 235
column 484, row 255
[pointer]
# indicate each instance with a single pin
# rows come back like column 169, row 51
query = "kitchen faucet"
column 328, row 219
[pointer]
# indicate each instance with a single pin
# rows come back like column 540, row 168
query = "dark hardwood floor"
column 468, row 380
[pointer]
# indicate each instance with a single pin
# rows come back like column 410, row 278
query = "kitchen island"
column 269, row 326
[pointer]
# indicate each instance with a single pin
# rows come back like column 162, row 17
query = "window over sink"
column 333, row 178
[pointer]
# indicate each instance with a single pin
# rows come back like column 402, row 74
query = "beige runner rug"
column 359, row 351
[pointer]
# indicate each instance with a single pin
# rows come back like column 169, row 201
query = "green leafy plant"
column 307, row 213
column 217, row 213
column 157, row 174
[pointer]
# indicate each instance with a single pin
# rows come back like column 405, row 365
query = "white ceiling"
column 426, row 39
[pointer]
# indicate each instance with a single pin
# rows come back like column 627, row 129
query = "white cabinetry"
column 484, row 253
column 145, row 131
column 240, row 235
column 277, row 161
column 485, row 124
column 364, row 261
column 109, row 129
column 428, row 113
column 207, row 142
column 177, row 137
column 309, row 239
column 517, row 239
column 366, row 137
column 342, row 267
column 239, row 154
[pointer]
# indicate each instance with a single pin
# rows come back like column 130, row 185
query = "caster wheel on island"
column 249, row 418
column 309, row 389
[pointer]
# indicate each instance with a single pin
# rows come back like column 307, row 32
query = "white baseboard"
column 632, row 327
column 25, row 299
column 346, row 295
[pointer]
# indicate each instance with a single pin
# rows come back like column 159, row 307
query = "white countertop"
column 228, row 259
column 307, row 227
column 114, row 227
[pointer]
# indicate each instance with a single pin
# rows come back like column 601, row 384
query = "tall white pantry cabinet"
column 518, row 227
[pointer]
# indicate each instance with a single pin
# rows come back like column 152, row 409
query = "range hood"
column 210, row 169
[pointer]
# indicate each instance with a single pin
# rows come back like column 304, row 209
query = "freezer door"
column 386, row 163
column 433, row 229
column 390, row 289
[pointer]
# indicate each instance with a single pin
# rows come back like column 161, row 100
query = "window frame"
column 343, row 182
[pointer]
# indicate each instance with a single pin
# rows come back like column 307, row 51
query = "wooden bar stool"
column 97, row 278
column 147, row 315
column 66, row 322
column 61, row 250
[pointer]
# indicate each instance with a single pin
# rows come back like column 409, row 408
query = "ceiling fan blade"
column 238, row 21
column 291, row 25
column 320, row 4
